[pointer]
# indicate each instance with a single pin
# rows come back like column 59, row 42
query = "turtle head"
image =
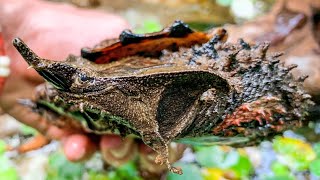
column 62, row 74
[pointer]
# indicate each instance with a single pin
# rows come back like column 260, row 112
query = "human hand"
column 53, row 31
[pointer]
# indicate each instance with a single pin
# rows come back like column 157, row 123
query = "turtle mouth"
column 58, row 81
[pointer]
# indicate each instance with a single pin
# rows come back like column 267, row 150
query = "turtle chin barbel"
column 166, row 86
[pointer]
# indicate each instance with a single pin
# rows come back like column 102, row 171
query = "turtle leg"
column 158, row 144
column 148, row 128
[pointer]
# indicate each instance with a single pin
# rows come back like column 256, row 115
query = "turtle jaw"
column 58, row 81
column 57, row 73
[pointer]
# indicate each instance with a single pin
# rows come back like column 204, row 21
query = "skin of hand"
column 53, row 31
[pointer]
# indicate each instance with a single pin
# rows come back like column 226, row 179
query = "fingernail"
column 76, row 146
column 145, row 149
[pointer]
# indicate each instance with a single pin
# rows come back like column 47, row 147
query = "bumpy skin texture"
column 214, row 88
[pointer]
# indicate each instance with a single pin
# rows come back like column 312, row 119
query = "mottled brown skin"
column 217, row 89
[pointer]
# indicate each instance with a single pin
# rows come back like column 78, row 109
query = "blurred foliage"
column 27, row 130
column 59, row 168
column 291, row 151
column 315, row 164
column 231, row 161
column 7, row 170
column 227, row 162
column 126, row 171
column 149, row 26
column 190, row 171
column 293, row 157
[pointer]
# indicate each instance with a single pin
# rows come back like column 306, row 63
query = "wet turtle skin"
column 172, row 85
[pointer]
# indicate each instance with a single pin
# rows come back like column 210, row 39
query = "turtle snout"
column 60, row 82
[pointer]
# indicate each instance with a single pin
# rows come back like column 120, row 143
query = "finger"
column 78, row 147
column 144, row 149
column 147, row 162
column 116, row 151
column 29, row 118
column 110, row 142
column 53, row 132
column 26, row 116
column 148, row 156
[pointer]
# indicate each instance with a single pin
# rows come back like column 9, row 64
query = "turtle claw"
column 159, row 160
column 176, row 170
column 164, row 160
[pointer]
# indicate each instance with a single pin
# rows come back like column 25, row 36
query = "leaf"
column 315, row 167
column 316, row 148
column 224, row 2
column 126, row 171
column 280, row 169
column 97, row 176
column 210, row 156
column 283, row 177
column 204, row 141
column 61, row 168
column 190, row 172
column 27, row 130
column 151, row 25
column 7, row 171
column 296, row 153
column 243, row 167
column 4, row 163
column 217, row 174
column 215, row 157
column 231, row 159
column 9, row 174
column 2, row 147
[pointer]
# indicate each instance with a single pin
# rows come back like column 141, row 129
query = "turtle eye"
column 84, row 77
column 82, row 80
